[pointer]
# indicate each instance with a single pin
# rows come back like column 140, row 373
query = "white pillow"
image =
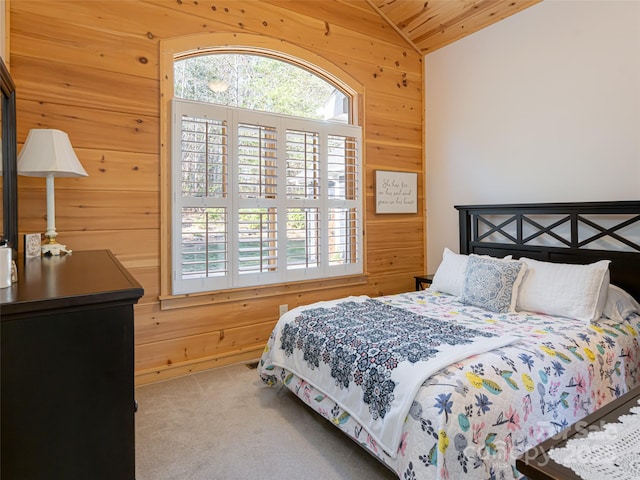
column 450, row 273
column 619, row 304
column 565, row 290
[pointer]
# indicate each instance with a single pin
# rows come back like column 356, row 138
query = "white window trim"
column 233, row 116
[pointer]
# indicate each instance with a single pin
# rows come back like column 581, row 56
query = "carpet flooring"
column 225, row 424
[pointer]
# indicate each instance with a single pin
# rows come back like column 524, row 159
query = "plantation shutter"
column 262, row 198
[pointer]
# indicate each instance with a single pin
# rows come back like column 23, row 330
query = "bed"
column 531, row 327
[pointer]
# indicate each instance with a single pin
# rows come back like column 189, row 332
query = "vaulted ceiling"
column 431, row 24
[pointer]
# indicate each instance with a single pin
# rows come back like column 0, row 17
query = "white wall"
column 543, row 106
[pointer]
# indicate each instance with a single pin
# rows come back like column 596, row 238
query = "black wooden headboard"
column 559, row 232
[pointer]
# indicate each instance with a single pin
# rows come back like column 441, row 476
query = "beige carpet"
column 225, row 424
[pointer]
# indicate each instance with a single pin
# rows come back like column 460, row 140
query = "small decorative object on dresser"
column 5, row 264
column 32, row 245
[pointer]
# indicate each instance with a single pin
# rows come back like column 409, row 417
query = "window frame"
column 178, row 50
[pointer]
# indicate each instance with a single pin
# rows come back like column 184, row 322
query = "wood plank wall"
column 91, row 68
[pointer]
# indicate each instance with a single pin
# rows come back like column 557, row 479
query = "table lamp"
column 48, row 153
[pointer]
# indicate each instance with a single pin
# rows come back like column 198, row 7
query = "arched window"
column 258, row 82
column 265, row 173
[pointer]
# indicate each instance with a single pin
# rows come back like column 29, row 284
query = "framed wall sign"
column 396, row 192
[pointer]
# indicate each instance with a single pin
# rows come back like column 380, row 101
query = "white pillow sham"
column 450, row 273
column 564, row 290
column 619, row 304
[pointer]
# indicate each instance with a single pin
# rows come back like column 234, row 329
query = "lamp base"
column 54, row 249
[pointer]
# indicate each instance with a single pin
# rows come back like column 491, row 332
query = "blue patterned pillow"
column 491, row 283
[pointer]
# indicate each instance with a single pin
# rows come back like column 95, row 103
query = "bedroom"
column 475, row 88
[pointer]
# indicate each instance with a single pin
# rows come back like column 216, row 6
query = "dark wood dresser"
column 67, row 380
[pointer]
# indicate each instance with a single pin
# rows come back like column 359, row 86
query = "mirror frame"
column 9, row 159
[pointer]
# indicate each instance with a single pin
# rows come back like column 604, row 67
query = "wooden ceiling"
column 431, row 24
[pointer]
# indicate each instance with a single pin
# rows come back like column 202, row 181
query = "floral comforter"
column 372, row 357
column 474, row 417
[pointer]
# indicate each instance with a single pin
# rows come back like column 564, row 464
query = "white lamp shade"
column 48, row 152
